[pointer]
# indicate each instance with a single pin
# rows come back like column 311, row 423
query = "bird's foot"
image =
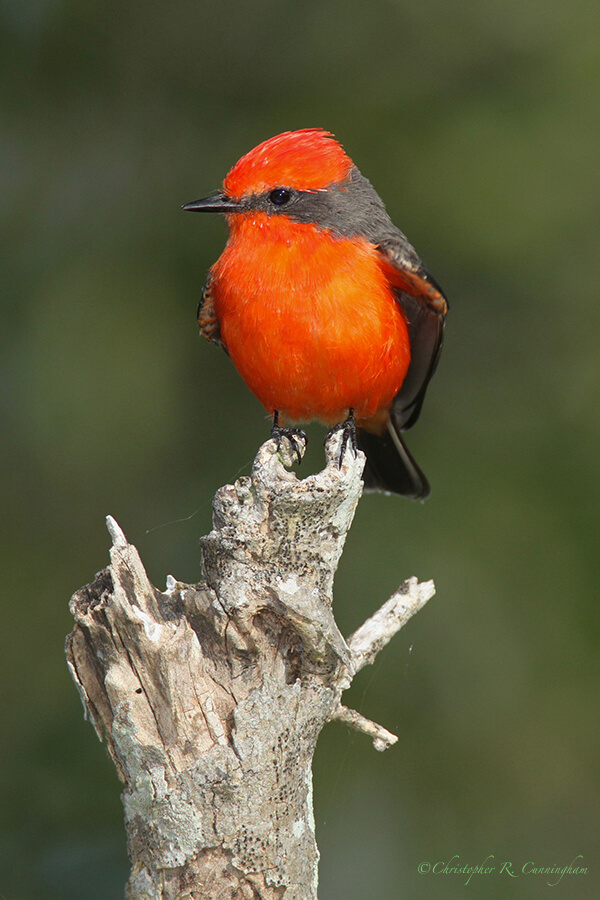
column 296, row 438
column 349, row 437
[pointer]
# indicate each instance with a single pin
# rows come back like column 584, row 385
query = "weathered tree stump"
column 211, row 697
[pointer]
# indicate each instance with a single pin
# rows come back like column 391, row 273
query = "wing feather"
column 207, row 316
column 425, row 308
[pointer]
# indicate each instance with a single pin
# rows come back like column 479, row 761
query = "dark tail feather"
column 390, row 465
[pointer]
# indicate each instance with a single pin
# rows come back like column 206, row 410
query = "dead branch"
column 210, row 697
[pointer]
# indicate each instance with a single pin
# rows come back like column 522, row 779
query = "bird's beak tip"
column 219, row 203
column 193, row 205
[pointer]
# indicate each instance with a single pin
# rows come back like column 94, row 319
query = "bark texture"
column 210, row 697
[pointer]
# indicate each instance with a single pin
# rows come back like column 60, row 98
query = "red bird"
column 323, row 305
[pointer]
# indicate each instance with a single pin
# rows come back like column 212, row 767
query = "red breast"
column 309, row 319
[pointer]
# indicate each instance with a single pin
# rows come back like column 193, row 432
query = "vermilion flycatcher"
column 321, row 302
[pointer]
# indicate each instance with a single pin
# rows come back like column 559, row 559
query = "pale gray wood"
column 211, row 697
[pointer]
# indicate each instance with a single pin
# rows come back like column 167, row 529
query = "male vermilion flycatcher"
column 321, row 302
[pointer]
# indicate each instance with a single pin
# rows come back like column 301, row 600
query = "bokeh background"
column 479, row 124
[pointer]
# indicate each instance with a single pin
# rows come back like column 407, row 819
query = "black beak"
column 219, row 203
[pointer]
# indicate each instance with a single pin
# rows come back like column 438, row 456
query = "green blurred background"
column 478, row 121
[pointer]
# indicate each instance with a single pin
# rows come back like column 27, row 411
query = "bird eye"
column 280, row 196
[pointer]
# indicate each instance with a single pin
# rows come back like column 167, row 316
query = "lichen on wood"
column 210, row 697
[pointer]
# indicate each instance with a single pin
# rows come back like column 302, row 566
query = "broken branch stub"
column 210, row 697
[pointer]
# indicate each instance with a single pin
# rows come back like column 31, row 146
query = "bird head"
column 279, row 169
column 307, row 160
column 305, row 177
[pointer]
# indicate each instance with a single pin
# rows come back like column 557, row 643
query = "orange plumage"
column 322, row 304
column 325, row 305
column 309, row 160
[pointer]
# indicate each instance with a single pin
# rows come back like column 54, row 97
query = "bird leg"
column 349, row 438
column 293, row 435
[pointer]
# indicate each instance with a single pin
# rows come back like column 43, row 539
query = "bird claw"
column 294, row 436
column 349, row 437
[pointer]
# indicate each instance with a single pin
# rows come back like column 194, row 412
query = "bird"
column 323, row 305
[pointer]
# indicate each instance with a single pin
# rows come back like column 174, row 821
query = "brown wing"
column 207, row 317
column 425, row 308
column 390, row 465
